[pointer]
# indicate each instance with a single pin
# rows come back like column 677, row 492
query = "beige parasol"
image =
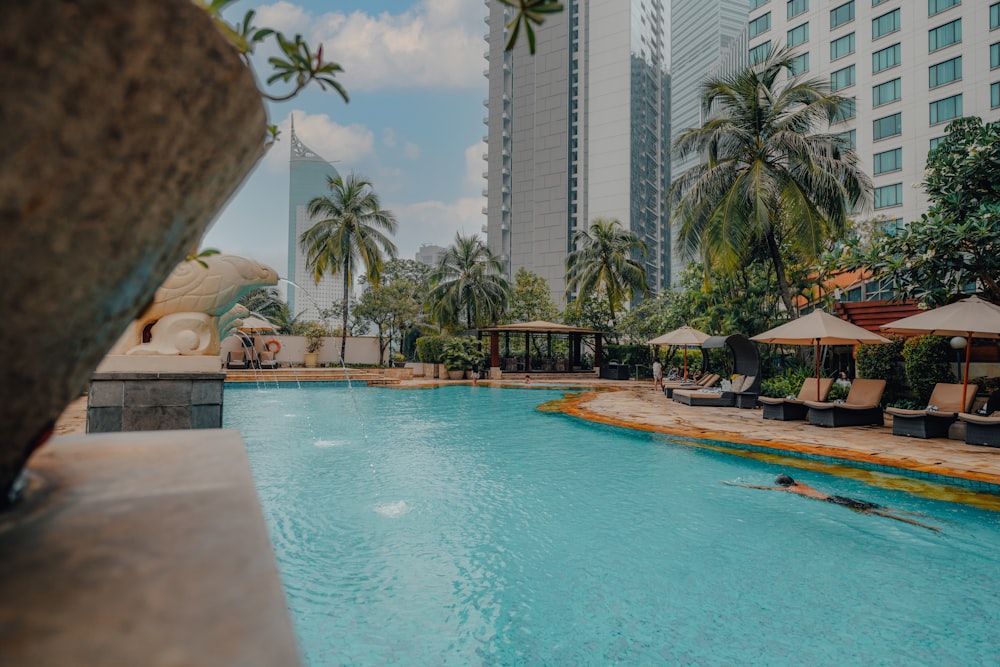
column 818, row 328
column 685, row 336
column 971, row 318
column 256, row 324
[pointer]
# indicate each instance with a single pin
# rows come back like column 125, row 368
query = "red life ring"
column 273, row 346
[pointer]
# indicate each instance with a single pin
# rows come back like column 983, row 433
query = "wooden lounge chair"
column 718, row 397
column 787, row 409
column 860, row 408
column 934, row 422
column 236, row 359
column 706, row 381
column 983, row 428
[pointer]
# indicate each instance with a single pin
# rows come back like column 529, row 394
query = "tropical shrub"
column 785, row 384
column 430, row 349
column 883, row 362
column 925, row 359
column 314, row 335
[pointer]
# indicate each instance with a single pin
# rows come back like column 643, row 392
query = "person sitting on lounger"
column 674, row 374
column 786, row 483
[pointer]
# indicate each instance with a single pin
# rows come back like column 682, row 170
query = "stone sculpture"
column 194, row 306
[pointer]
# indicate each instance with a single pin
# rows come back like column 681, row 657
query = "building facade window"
column 890, row 91
column 842, row 78
column 945, row 35
column 842, row 14
column 850, row 138
column 799, row 64
column 842, row 47
column 759, row 52
column 995, row 95
column 994, row 55
column 938, row 6
column 876, row 3
column 885, row 24
column 889, row 195
column 995, row 16
column 796, row 7
column 798, row 35
column 944, row 110
column 754, row 4
column 886, row 58
column 888, row 126
column 887, row 161
column 935, row 141
column 848, row 109
column 759, row 25
column 946, row 72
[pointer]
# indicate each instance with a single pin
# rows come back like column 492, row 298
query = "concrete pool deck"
column 635, row 405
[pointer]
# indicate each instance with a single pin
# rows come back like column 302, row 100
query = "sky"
column 413, row 126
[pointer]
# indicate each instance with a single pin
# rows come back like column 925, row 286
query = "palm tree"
column 352, row 228
column 468, row 281
column 771, row 182
column 605, row 257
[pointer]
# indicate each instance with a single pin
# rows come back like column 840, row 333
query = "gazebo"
column 545, row 363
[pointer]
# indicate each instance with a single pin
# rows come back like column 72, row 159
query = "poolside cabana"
column 746, row 362
column 541, row 335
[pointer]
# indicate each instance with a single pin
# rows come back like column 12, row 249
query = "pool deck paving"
column 636, row 405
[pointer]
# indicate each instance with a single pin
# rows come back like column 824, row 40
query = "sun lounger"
column 787, row 409
column 943, row 408
column 716, row 396
column 708, row 380
column 266, row 360
column 236, row 359
column 860, row 408
column 983, row 428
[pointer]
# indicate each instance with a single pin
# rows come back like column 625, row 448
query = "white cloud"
column 349, row 144
column 475, row 165
column 436, row 222
column 434, row 44
column 411, row 151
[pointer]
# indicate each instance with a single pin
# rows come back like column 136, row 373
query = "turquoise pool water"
column 461, row 526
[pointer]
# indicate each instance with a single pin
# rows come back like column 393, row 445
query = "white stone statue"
column 195, row 306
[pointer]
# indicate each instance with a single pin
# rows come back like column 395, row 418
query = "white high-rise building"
column 910, row 66
column 309, row 176
column 578, row 131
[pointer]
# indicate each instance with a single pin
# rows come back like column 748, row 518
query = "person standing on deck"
column 657, row 375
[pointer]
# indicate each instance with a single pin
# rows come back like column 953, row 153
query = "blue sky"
column 414, row 73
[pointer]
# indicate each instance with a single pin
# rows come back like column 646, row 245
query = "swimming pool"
column 459, row 525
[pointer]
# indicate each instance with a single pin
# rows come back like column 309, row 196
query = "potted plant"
column 455, row 358
column 314, row 336
column 398, row 360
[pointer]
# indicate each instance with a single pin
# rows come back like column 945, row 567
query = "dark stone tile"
column 104, row 420
column 104, row 394
column 206, row 392
column 206, row 416
column 156, row 418
column 158, row 393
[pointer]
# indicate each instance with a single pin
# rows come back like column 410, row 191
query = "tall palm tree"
column 352, row 228
column 771, row 181
column 468, row 282
column 606, row 256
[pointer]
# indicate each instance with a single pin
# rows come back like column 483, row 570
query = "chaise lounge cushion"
column 983, row 428
column 787, row 409
column 942, row 409
column 860, row 408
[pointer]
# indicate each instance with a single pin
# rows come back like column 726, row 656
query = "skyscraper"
column 909, row 68
column 578, row 131
column 702, row 33
column 309, row 176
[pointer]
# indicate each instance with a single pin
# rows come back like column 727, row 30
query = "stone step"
column 304, row 375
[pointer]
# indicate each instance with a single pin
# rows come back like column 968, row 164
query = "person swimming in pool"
column 786, row 483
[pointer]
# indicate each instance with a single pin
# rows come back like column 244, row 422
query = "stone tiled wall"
column 154, row 401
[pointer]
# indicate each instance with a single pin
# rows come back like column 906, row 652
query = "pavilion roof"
column 539, row 326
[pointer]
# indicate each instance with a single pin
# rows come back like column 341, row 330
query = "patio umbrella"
column 256, row 324
column 685, row 336
column 971, row 317
column 818, row 328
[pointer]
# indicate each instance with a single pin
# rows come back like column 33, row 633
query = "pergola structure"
column 545, row 363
